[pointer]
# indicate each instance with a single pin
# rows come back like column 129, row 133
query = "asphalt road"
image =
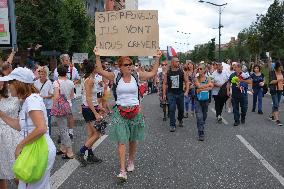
column 179, row 160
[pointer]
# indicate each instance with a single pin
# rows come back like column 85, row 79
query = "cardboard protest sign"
column 127, row 33
column 79, row 57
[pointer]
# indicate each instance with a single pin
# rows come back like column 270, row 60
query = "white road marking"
column 61, row 175
column 223, row 120
column 262, row 160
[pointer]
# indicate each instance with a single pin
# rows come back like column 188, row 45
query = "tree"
column 211, row 50
column 44, row 22
column 271, row 27
column 81, row 25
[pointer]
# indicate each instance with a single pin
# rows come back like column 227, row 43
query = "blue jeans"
column 49, row 120
column 175, row 100
column 201, row 109
column 276, row 98
column 189, row 100
column 257, row 96
column 237, row 103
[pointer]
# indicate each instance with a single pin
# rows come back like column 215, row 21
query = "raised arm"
column 147, row 75
column 11, row 56
column 109, row 75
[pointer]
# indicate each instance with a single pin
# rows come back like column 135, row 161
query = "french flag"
column 171, row 52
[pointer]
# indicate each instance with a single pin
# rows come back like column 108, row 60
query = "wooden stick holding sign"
column 127, row 32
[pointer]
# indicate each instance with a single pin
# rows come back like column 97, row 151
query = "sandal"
column 67, row 157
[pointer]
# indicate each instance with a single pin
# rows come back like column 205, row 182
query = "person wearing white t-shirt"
column 32, row 121
column 45, row 88
column 219, row 77
column 127, row 123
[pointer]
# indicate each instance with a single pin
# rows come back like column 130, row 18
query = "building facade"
column 131, row 4
column 93, row 6
column 114, row 5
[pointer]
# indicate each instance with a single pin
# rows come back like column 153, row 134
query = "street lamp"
column 220, row 26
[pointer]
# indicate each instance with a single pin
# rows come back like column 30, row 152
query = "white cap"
column 24, row 75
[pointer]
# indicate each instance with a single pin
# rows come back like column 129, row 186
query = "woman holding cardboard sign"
column 127, row 122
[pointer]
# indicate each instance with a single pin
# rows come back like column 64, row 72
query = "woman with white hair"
column 45, row 88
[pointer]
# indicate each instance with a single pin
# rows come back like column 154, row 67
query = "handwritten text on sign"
column 127, row 32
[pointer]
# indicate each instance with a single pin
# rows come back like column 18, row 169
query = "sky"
column 200, row 19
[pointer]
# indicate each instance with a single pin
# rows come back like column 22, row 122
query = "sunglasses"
column 127, row 65
column 164, row 64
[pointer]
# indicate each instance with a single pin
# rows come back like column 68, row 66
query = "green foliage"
column 45, row 22
column 60, row 25
column 266, row 34
column 80, row 23
column 211, row 50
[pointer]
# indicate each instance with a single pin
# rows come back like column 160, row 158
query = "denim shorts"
column 88, row 114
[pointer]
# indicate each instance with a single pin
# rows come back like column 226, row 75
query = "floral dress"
column 9, row 137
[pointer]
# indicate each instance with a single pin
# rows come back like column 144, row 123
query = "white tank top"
column 127, row 93
column 94, row 93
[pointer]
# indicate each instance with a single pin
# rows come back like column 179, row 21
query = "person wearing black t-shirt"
column 173, row 89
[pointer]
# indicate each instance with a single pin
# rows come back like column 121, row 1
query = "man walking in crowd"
column 237, row 88
column 173, row 85
column 73, row 75
column 219, row 91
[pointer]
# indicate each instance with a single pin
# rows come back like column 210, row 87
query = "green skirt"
column 125, row 130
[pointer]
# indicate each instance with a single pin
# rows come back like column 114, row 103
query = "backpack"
column 118, row 77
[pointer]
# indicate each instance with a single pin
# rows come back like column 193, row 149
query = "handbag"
column 31, row 164
column 128, row 112
column 61, row 106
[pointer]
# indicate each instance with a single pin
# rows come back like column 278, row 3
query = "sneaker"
column 236, row 123
column 180, row 123
column 91, row 159
column 172, row 129
column 219, row 119
column 260, row 112
column 243, row 121
column 122, row 176
column 279, row 123
column 130, row 166
column 81, row 159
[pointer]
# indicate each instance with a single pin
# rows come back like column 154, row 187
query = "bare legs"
column 122, row 153
column 93, row 135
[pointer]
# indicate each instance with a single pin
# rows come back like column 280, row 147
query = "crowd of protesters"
column 30, row 100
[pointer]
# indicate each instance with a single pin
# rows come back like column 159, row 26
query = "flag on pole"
column 171, row 52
